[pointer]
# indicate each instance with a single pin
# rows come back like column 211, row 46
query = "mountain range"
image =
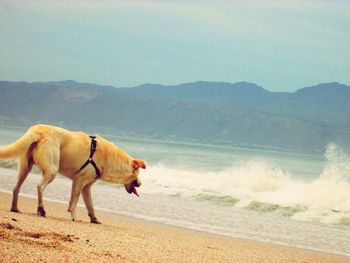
column 238, row 114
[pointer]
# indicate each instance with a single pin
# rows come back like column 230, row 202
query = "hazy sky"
column 280, row 45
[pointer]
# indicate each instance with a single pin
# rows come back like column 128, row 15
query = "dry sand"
column 28, row 238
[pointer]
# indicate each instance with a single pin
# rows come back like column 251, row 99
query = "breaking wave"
column 259, row 186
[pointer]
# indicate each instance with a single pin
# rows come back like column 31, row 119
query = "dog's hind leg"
column 47, row 158
column 25, row 165
column 88, row 203
column 47, row 178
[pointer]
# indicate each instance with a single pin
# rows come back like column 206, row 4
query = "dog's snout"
column 136, row 183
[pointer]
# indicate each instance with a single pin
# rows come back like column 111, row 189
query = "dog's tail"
column 20, row 146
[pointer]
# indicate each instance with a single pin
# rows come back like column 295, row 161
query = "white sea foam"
column 261, row 186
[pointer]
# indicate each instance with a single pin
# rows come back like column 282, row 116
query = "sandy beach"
column 26, row 237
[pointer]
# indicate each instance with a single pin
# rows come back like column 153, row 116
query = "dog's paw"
column 15, row 209
column 95, row 221
column 41, row 212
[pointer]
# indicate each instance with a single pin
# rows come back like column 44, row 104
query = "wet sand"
column 27, row 237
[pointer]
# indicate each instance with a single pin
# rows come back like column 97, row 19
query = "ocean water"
column 283, row 198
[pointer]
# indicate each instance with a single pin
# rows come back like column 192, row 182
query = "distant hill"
column 242, row 114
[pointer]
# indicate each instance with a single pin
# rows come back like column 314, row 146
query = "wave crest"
column 259, row 186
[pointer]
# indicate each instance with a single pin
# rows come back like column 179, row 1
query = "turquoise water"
column 200, row 157
column 276, row 197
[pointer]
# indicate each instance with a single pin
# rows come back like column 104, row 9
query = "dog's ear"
column 136, row 164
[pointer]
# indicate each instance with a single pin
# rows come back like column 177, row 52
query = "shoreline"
column 119, row 214
column 126, row 239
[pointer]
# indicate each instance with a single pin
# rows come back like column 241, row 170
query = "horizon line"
column 171, row 85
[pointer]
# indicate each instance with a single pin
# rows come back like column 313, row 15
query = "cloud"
column 196, row 39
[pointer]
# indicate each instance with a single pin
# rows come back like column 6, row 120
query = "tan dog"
column 56, row 150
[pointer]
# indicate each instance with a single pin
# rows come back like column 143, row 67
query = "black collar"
column 90, row 160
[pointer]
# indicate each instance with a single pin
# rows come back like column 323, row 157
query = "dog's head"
column 134, row 180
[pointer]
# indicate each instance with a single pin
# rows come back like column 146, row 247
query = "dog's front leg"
column 88, row 203
column 76, row 190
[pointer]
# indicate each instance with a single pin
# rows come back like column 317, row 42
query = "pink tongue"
column 134, row 191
